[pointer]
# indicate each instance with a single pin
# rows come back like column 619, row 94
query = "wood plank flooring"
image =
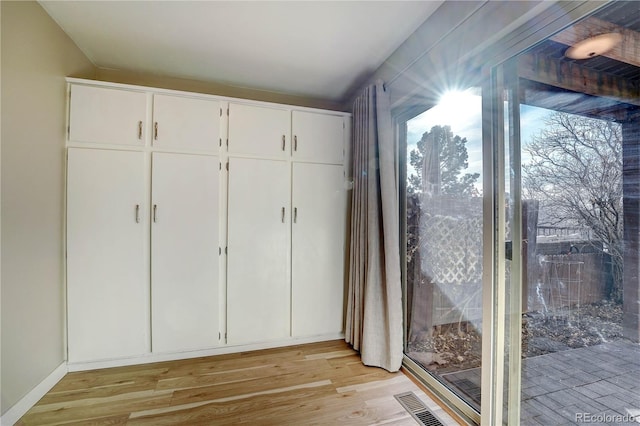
column 316, row 384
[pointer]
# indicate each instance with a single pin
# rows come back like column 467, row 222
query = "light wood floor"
column 321, row 383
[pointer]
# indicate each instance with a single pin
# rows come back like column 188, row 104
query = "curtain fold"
column 374, row 303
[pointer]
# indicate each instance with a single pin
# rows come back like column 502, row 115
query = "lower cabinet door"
column 258, row 289
column 318, row 241
column 107, row 272
column 184, row 252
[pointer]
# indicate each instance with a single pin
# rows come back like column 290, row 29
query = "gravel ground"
column 587, row 325
column 454, row 349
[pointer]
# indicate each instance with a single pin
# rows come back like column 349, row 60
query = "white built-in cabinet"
column 258, row 289
column 106, row 115
column 184, row 251
column 259, row 131
column 186, row 123
column 318, row 138
column 317, row 248
column 195, row 222
column 286, row 229
column 107, row 273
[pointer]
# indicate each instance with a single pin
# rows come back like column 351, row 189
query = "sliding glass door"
column 522, row 235
column 572, row 130
column 444, row 237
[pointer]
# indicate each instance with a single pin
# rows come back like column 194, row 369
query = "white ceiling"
column 311, row 48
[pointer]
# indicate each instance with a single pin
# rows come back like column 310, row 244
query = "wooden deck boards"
column 557, row 387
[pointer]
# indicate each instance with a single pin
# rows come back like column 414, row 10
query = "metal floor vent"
column 417, row 409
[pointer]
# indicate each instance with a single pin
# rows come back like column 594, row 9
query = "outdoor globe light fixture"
column 593, row 46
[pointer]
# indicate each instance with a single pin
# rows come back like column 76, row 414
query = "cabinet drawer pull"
column 283, row 142
column 137, row 213
column 155, row 131
column 139, row 129
column 295, row 215
column 155, row 213
column 283, row 215
column 295, row 143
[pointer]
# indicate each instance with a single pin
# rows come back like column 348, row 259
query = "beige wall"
column 36, row 57
column 212, row 88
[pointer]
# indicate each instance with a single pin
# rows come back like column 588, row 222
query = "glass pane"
column 580, row 131
column 444, row 242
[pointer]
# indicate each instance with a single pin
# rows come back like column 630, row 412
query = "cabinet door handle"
column 283, row 215
column 155, row 131
column 295, row 215
column 139, row 129
column 137, row 213
column 283, row 142
column 155, row 213
column 295, row 143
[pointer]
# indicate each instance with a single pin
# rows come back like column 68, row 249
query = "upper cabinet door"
column 318, row 138
column 186, row 123
column 259, row 131
column 106, row 115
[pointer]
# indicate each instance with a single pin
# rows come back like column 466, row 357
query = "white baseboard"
column 14, row 413
column 173, row 356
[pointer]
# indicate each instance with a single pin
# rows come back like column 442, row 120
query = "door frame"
column 499, row 320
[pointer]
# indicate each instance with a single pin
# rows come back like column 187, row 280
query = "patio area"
column 574, row 386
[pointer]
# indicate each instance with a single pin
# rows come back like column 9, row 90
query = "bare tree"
column 575, row 170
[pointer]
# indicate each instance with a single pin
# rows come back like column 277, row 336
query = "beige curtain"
column 374, row 304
